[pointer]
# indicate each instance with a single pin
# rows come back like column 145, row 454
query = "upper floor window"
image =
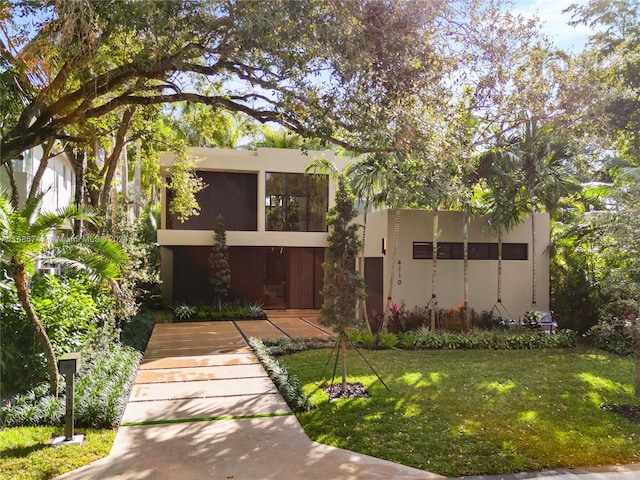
column 295, row 202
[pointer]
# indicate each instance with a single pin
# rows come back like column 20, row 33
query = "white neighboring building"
column 58, row 181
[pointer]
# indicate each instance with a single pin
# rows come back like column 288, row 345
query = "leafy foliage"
column 219, row 263
column 424, row 338
column 184, row 184
column 36, row 407
column 139, row 275
column 101, row 392
column 136, row 332
column 76, row 313
column 103, row 386
column 288, row 385
column 343, row 286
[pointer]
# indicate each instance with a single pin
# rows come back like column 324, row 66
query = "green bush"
column 288, row 385
column 236, row 310
column 388, row 340
column 137, row 331
column 103, row 386
column 613, row 335
column 67, row 307
column 490, row 340
column 75, row 313
column 408, row 340
column 34, row 408
column 183, row 312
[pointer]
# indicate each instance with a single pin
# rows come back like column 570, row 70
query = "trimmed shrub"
column 137, row 331
column 36, row 407
column 287, row 385
column 103, row 386
column 614, row 336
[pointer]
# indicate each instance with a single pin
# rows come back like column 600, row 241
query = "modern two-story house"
column 275, row 218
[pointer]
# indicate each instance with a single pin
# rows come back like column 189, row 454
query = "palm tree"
column 542, row 156
column 401, row 176
column 26, row 236
column 436, row 190
column 367, row 180
column 498, row 171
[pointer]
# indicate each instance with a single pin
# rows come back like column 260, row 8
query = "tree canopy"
column 364, row 75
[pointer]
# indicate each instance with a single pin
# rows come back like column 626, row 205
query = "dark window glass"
column 515, row 251
column 476, row 250
column 296, row 202
column 422, row 250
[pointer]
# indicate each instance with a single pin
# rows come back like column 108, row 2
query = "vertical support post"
column 69, row 364
column 68, row 416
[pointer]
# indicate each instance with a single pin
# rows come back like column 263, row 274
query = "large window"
column 476, row 251
column 295, row 202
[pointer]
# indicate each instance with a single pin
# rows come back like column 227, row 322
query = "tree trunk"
column 396, row 236
column 42, row 167
column 124, row 172
column 465, row 246
column 362, row 307
column 434, row 270
column 79, row 161
column 500, row 266
column 637, row 356
column 20, row 278
column 137, row 182
column 15, row 196
column 111, row 162
column 343, row 359
column 534, row 254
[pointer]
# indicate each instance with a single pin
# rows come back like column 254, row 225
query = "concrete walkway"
column 202, row 407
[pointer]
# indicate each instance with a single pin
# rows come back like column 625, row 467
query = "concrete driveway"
column 202, row 407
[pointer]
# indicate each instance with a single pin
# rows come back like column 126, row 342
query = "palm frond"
column 322, row 165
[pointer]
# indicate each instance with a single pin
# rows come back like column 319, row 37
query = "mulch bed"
column 628, row 411
column 354, row 390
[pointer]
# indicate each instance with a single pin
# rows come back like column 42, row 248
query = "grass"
column 25, row 452
column 474, row 412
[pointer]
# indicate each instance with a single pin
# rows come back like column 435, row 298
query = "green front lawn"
column 26, row 453
column 478, row 412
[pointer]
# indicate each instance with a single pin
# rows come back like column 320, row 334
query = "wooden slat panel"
column 300, row 278
column 374, row 279
column 234, row 195
column 247, row 272
column 191, row 275
column 318, row 272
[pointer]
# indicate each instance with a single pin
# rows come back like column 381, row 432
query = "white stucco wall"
column 413, row 284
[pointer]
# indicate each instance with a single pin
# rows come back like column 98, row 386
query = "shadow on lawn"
column 21, row 452
column 465, row 413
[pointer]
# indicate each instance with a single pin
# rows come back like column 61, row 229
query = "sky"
column 555, row 22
